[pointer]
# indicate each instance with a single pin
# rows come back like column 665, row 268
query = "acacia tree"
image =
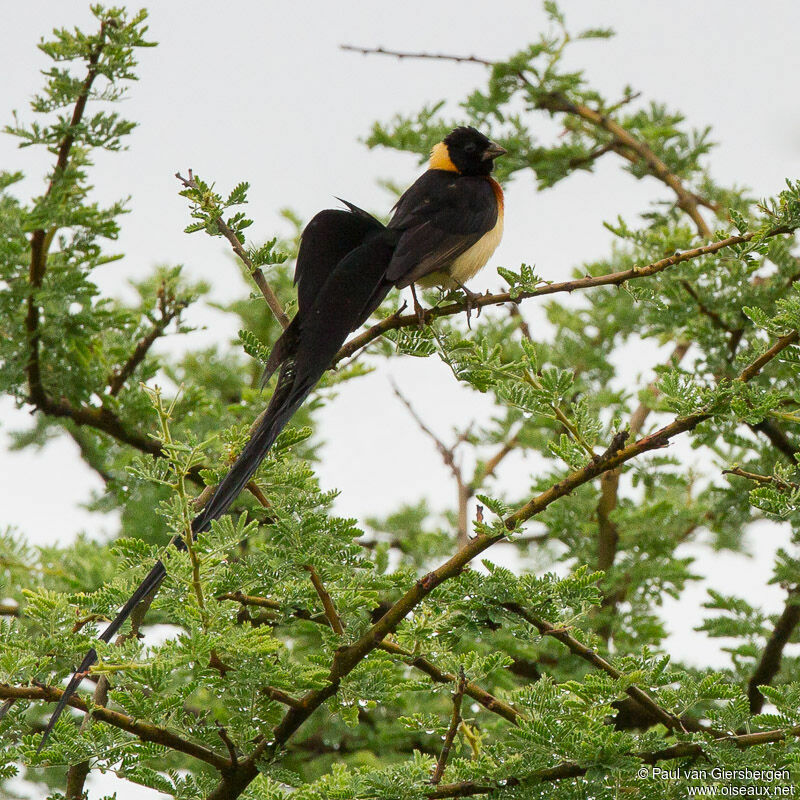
column 311, row 658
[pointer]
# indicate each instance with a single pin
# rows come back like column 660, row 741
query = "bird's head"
column 466, row 151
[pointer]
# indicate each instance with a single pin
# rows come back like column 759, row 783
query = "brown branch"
column 582, row 161
column 327, row 601
column 642, row 412
column 415, row 660
column 226, row 740
column 255, row 272
column 41, row 239
column 397, row 321
column 463, row 490
column 770, row 663
column 490, row 467
column 570, row 769
column 447, row 453
column 142, row 730
column 120, row 376
column 400, row 55
column 705, row 310
column 779, row 483
column 624, row 143
column 90, row 458
column 667, row 718
column 480, row 695
column 279, row 696
column 101, row 419
column 450, row 736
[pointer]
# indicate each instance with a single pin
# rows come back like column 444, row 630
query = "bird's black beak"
column 493, row 151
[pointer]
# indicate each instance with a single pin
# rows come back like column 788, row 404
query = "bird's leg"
column 420, row 311
column 472, row 298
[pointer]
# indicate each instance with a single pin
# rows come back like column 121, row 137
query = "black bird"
column 443, row 230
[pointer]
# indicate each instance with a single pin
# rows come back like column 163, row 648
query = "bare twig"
column 450, row 736
column 400, row 55
column 447, row 453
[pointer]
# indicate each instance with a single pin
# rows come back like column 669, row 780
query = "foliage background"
column 550, row 219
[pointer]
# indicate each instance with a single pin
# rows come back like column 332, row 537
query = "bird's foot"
column 471, row 303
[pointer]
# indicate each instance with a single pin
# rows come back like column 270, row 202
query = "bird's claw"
column 470, row 304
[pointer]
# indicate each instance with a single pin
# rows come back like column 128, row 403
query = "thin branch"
column 705, row 310
column 753, row 369
column 416, row 660
column 400, row 55
column 490, row 467
column 450, row 736
column 571, row 769
column 447, row 453
column 642, row 412
column 255, row 272
column 480, row 695
column 770, row 663
column 779, row 483
column 624, row 143
column 168, row 313
column 142, row 730
column 327, row 601
column 667, row 718
column 397, row 321
column 279, row 696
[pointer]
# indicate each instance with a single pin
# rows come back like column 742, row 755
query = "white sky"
column 260, row 91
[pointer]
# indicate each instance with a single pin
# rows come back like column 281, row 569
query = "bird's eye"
column 469, row 148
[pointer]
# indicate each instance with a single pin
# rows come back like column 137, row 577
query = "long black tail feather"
column 150, row 584
column 340, row 276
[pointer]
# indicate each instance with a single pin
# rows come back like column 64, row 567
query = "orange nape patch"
column 440, row 158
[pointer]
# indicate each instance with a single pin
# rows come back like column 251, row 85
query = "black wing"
column 326, row 240
column 438, row 218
